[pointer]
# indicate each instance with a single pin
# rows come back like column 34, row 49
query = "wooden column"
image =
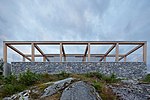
column 84, row 59
column 125, row 58
column 104, row 59
column 23, row 59
column 60, row 52
column 5, row 52
column 145, row 52
column 64, row 58
column 117, row 52
column 44, row 59
column 32, row 52
column 89, row 52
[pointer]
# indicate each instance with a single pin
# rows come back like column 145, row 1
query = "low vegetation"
column 147, row 78
column 13, row 84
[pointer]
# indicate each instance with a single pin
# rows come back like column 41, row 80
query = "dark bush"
column 9, row 89
column 94, row 74
column 110, row 79
column 11, row 79
column 147, row 78
column 28, row 78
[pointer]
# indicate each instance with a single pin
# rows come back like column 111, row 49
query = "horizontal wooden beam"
column 74, row 42
column 75, row 55
column 112, row 47
column 16, row 50
column 137, row 47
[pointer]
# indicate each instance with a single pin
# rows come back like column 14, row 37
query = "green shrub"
column 63, row 74
column 147, row 78
column 45, row 77
column 1, row 64
column 9, row 89
column 94, row 74
column 98, row 86
column 1, row 79
column 110, row 79
column 11, row 79
column 28, row 78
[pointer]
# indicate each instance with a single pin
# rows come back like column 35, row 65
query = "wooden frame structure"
column 115, row 44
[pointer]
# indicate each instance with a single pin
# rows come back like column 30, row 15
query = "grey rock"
column 19, row 96
column 132, row 91
column 52, row 89
column 129, row 81
column 80, row 91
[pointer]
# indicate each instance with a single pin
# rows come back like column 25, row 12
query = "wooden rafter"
column 16, row 50
column 63, row 51
column 134, row 49
column 84, row 56
column 112, row 47
column 38, row 48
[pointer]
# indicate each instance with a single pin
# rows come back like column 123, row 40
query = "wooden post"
column 23, row 59
column 88, row 52
column 125, row 58
column 60, row 52
column 64, row 58
column 5, row 52
column 44, row 59
column 104, row 59
column 145, row 52
column 117, row 52
column 84, row 59
column 32, row 52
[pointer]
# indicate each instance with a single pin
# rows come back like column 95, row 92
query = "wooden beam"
column 13, row 48
column 117, row 52
column 63, row 51
column 89, row 52
column 145, row 52
column 38, row 48
column 84, row 56
column 125, row 59
column 5, row 52
column 60, row 52
column 74, row 42
column 75, row 55
column 137, row 47
column 112, row 47
column 44, row 59
column 104, row 59
column 32, row 52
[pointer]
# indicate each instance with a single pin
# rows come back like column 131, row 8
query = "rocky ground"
column 69, row 88
column 74, row 89
column 131, row 90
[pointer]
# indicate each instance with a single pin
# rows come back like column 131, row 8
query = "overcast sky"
column 76, row 20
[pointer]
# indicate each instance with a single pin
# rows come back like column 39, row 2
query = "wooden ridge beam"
column 74, row 42
column 134, row 49
column 112, row 47
column 16, row 50
column 38, row 48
